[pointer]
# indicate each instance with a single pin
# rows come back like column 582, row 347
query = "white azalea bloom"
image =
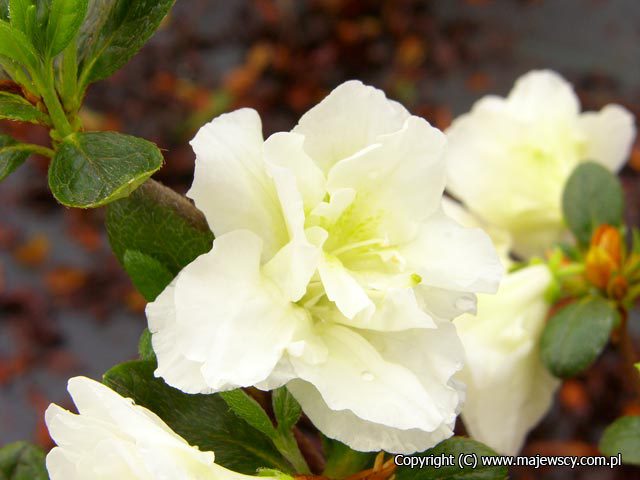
column 112, row 438
column 508, row 387
column 334, row 270
column 509, row 158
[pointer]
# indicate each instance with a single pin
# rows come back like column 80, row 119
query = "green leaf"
column 10, row 159
column 202, row 420
column 574, row 337
column 148, row 275
column 623, row 437
column 15, row 45
column 18, row 13
column 286, row 408
column 160, row 223
column 65, row 19
column 342, row 461
column 592, row 196
column 250, row 411
column 454, row 446
column 22, row 461
column 15, row 107
column 126, row 28
column 92, row 169
column 145, row 348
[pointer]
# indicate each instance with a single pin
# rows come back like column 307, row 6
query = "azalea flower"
column 508, row 387
column 334, row 271
column 112, row 438
column 509, row 158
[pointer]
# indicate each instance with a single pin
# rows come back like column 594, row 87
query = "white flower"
column 508, row 387
column 112, row 438
column 509, row 158
column 334, row 271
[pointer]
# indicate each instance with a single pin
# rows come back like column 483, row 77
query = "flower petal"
column 508, row 387
column 231, row 319
column 356, row 377
column 543, row 94
column 359, row 434
column 342, row 288
column 610, row 133
column 447, row 255
column 230, row 184
column 349, row 119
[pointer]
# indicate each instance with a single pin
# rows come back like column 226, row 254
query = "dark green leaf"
column 148, row 275
column 4, row 10
column 145, row 348
column 15, row 107
column 203, row 420
column 10, row 159
column 454, row 447
column 249, row 410
column 158, row 222
column 18, row 13
column 342, row 461
column 64, row 22
column 592, row 197
column 286, row 408
column 623, row 437
column 125, row 29
column 22, row 461
column 92, row 169
column 574, row 337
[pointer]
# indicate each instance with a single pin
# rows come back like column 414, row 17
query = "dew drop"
column 368, row 376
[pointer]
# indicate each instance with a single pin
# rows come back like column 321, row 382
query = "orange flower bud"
column 604, row 257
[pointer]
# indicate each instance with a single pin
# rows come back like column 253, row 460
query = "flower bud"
column 604, row 257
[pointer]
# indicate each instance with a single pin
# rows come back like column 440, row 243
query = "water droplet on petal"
column 368, row 376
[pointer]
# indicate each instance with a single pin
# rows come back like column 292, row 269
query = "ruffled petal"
column 349, row 119
column 610, row 134
column 449, row 256
column 230, row 184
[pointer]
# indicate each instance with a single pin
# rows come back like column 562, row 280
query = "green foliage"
column 250, row 411
column 455, row 446
column 22, row 461
column 145, row 348
column 65, row 19
column 159, row 223
column 203, row 420
column 592, row 197
column 623, row 437
column 574, row 337
column 15, row 107
column 125, row 29
column 148, row 275
column 342, row 461
column 15, row 45
column 92, row 169
column 286, row 408
column 10, row 159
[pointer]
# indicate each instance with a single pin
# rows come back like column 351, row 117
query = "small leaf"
column 574, row 337
column 17, row 108
column 623, row 437
column 15, row 45
column 65, row 19
column 160, row 223
column 10, row 159
column 127, row 27
column 22, row 461
column 342, row 461
column 145, row 347
column 250, row 411
column 286, row 408
column 148, row 275
column 592, row 196
column 454, row 447
column 92, row 169
column 202, row 420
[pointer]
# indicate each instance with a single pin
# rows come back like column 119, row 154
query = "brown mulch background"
column 66, row 307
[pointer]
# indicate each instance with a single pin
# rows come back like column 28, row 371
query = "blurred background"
column 67, row 308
